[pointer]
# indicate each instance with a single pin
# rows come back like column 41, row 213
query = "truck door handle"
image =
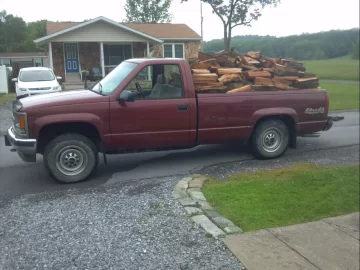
column 182, row 107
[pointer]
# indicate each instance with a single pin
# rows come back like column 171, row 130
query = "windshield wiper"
column 100, row 88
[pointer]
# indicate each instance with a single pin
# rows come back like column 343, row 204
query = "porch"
column 68, row 60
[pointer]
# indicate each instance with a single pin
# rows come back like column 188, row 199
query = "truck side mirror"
column 14, row 79
column 127, row 96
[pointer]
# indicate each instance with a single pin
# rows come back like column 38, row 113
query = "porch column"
column 148, row 53
column 50, row 57
column 102, row 59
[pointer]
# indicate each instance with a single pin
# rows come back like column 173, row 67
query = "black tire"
column 66, row 151
column 262, row 144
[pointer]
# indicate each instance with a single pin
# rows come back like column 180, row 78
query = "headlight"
column 23, row 89
column 57, row 87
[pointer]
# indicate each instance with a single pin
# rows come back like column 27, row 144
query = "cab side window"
column 158, row 82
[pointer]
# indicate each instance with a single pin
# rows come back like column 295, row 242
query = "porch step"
column 73, row 78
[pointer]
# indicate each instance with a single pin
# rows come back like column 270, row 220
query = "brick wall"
column 138, row 49
column 89, row 53
column 58, row 58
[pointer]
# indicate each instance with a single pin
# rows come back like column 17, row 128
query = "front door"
column 160, row 115
column 71, row 58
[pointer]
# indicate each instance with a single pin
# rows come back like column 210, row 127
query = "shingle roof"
column 157, row 30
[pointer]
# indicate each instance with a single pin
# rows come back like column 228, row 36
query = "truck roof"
column 154, row 60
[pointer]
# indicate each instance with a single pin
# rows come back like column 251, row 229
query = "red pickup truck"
column 151, row 104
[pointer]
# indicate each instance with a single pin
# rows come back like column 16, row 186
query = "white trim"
column 64, row 61
column 50, row 57
column 102, row 62
column 184, row 39
column 78, row 52
column 147, row 55
column 173, row 48
column 93, row 21
column 22, row 57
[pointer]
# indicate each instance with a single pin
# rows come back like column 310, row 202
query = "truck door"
column 160, row 114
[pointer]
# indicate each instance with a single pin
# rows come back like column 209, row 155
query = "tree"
column 237, row 12
column 12, row 32
column 148, row 11
column 34, row 31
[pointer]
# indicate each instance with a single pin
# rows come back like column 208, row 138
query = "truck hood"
column 60, row 99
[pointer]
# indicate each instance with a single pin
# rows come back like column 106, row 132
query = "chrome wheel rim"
column 271, row 140
column 71, row 160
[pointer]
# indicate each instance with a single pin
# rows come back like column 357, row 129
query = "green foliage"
column 355, row 51
column 148, row 11
column 298, row 194
column 323, row 45
column 17, row 36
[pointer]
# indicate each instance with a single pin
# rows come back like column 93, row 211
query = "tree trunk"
column 228, row 40
column 225, row 38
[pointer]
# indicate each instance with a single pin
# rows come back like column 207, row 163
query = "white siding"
column 97, row 32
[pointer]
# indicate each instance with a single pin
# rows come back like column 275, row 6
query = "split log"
column 222, row 71
column 207, row 64
column 200, row 71
column 286, row 78
column 211, row 86
column 280, row 69
column 248, row 67
column 253, row 74
column 230, row 78
column 263, row 87
column 254, row 55
column 303, row 83
column 263, row 81
column 205, row 78
column 308, row 75
column 246, row 88
column 279, row 80
column 283, row 86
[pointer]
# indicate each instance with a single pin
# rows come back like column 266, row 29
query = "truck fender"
column 257, row 115
column 67, row 118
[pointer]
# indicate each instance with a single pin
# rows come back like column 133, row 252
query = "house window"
column 5, row 62
column 115, row 54
column 38, row 62
column 173, row 50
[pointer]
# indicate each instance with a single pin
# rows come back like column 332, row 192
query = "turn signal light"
column 22, row 121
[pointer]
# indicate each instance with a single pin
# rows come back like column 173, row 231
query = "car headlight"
column 57, row 87
column 23, row 89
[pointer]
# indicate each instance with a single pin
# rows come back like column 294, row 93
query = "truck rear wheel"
column 271, row 139
column 70, row 158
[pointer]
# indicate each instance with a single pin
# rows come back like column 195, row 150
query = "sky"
column 290, row 17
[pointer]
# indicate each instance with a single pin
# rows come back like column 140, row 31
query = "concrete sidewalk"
column 331, row 243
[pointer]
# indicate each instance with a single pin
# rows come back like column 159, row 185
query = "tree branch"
column 217, row 13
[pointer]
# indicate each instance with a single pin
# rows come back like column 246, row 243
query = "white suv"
column 36, row 80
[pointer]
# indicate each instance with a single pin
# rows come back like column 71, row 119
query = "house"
column 23, row 59
column 103, row 44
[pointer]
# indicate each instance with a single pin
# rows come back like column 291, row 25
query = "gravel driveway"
column 5, row 118
column 130, row 225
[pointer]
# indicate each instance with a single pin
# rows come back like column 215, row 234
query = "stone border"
column 188, row 192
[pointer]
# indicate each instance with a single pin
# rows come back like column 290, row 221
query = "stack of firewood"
column 231, row 72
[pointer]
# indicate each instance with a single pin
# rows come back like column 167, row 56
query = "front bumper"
column 26, row 148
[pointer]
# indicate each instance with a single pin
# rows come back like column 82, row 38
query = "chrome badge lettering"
column 315, row 111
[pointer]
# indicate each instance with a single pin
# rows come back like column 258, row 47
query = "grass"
column 342, row 96
column 343, row 68
column 6, row 98
column 297, row 194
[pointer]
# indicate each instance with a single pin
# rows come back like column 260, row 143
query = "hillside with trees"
column 323, row 45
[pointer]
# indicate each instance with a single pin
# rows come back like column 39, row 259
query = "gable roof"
column 79, row 25
column 164, row 31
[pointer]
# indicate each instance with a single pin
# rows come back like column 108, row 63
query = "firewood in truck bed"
column 200, row 71
column 263, row 81
column 222, row 71
column 199, row 78
column 230, row 78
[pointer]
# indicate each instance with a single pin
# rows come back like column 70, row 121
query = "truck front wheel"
column 70, row 158
column 270, row 139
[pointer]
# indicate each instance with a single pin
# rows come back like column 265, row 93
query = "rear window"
column 36, row 75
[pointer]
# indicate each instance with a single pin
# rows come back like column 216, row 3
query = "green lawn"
column 5, row 98
column 343, row 68
column 298, row 194
column 342, row 96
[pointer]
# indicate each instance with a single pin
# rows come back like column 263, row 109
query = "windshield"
column 108, row 84
column 36, row 75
